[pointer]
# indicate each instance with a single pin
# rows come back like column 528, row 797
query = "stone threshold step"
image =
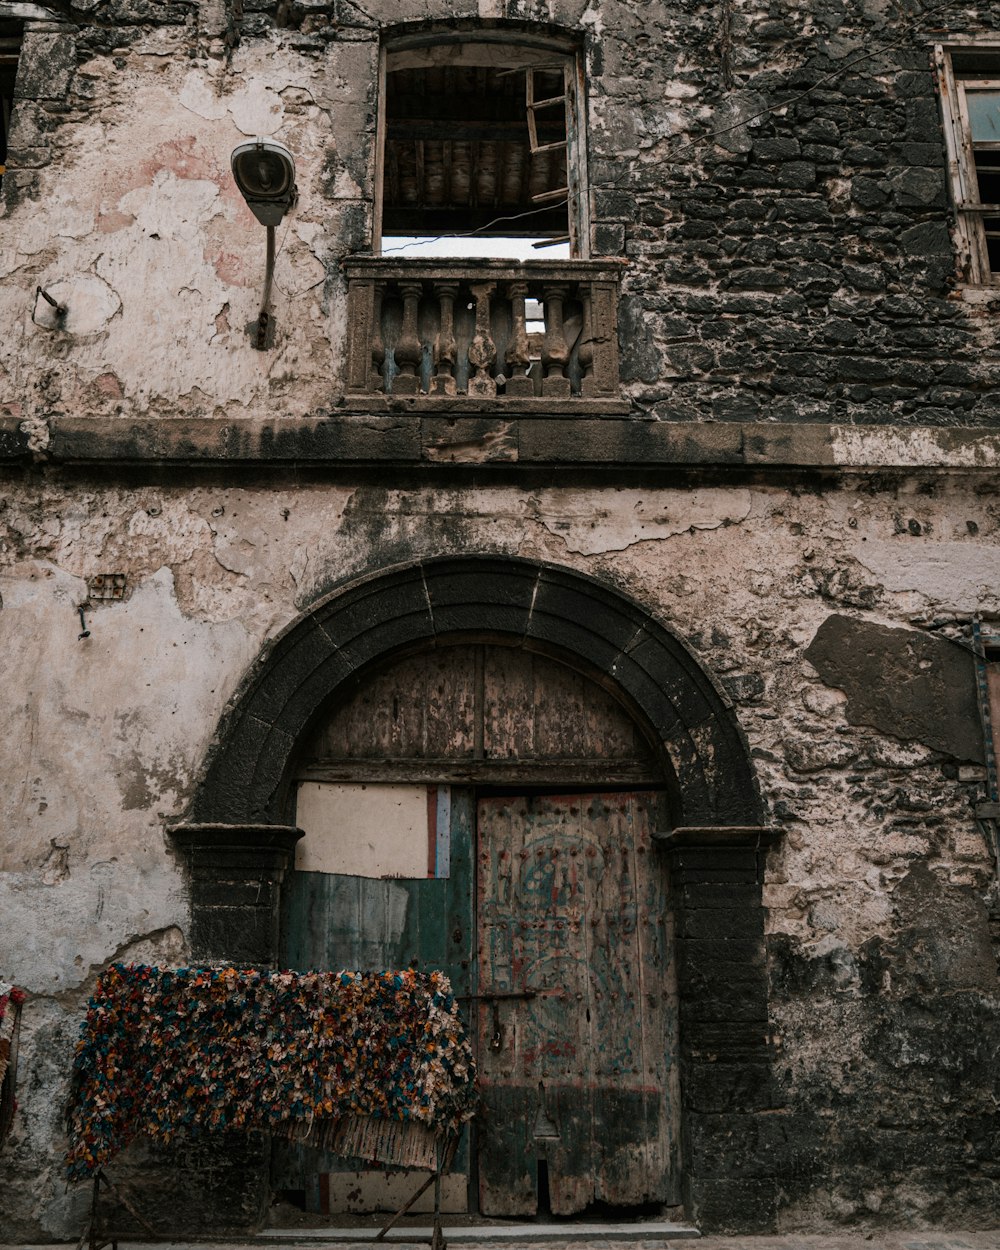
column 479, row 1234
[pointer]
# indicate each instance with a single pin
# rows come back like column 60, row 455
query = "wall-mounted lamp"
column 265, row 174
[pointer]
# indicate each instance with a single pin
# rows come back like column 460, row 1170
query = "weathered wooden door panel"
column 572, row 913
column 333, row 921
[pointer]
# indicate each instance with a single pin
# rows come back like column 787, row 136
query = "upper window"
column 482, row 148
column 10, row 46
column 970, row 97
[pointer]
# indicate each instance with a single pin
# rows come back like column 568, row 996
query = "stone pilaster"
column 236, row 874
column 727, row 1089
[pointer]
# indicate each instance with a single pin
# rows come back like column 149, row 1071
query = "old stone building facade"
column 689, row 535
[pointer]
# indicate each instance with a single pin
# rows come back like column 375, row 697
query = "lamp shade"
column 265, row 174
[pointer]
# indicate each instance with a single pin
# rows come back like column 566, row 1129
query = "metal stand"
column 444, row 1162
column 95, row 1236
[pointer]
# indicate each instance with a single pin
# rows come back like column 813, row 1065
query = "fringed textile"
column 11, row 999
column 375, row 1066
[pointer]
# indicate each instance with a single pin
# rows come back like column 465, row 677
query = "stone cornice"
column 430, row 441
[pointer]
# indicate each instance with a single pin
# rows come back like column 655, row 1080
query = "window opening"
column 970, row 96
column 10, row 47
column 481, row 153
column 986, row 644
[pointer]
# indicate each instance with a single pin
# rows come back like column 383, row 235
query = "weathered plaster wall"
column 885, row 995
column 798, row 267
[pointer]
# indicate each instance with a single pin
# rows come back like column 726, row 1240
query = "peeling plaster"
column 962, row 576
column 636, row 516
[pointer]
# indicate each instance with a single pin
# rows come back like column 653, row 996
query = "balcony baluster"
column 408, row 348
column 555, row 352
column 482, row 349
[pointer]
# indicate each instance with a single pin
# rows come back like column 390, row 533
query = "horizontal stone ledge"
column 435, row 440
column 506, row 407
column 237, row 848
column 718, row 837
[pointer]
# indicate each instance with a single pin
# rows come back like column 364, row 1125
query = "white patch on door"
column 363, row 830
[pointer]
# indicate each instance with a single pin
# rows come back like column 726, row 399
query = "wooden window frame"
column 963, row 183
column 501, row 49
column 10, row 52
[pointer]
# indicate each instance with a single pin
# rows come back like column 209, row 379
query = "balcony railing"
column 482, row 333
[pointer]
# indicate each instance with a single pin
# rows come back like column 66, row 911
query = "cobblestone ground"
column 821, row 1241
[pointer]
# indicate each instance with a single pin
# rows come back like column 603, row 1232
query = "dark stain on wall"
column 902, row 682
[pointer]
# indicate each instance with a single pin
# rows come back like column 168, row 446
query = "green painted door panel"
column 332, row 922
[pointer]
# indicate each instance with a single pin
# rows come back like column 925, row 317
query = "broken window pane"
column 984, row 116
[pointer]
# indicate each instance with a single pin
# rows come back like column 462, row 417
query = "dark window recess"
column 476, row 148
column 10, row 47
column 991, row 720
column 970, row 99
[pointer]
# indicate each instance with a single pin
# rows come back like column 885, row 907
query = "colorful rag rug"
column 11, row 999
column 373, row 1066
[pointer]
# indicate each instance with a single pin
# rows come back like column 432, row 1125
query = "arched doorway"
column 489, row 810
column 238, row 837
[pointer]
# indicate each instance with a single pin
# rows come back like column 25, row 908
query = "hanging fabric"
column 376, row 1066
column 11, row 999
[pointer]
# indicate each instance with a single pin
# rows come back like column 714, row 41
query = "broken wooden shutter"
column 535, row 105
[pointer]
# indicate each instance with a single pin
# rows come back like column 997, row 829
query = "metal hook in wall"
column 60, row 309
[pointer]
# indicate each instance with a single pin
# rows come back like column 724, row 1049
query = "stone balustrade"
column 449, row 333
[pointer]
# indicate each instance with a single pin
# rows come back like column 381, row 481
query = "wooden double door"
column 549, row 912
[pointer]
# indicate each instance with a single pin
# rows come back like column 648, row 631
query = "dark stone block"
column 223, row 890
column 729, row 1146
column 714, row 864
column 727, row 1041
column 745, row 1004
column 867, row 193
column 695, row 954
column 13, row 440
column 780, row 149
column 245, row 772
column 719, row 923
column 930, row 238
column 724, row 896
column 292, row 662
column 599, row 626
column 494, row 596
column 46, row 66
column 799, row 175
column 726, row 1087
column 183, row 1188
column 902, row 682
column 920, row 188
column 923, row 120
column 241, row 935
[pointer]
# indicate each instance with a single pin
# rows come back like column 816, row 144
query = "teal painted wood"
column 332, row 922
column 572, row 907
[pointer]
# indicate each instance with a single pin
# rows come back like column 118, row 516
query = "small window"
column 10, row 47
column 482, row 150
column 970, row 97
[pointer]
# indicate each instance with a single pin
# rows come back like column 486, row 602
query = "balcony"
column 483, row 335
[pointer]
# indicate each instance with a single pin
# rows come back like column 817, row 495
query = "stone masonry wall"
column 797, row 267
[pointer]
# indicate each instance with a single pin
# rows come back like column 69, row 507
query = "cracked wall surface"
column 797, row 271
column 108, row 733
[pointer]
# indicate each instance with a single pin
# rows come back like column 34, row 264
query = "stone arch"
column 238, row 846
column 523, row 603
